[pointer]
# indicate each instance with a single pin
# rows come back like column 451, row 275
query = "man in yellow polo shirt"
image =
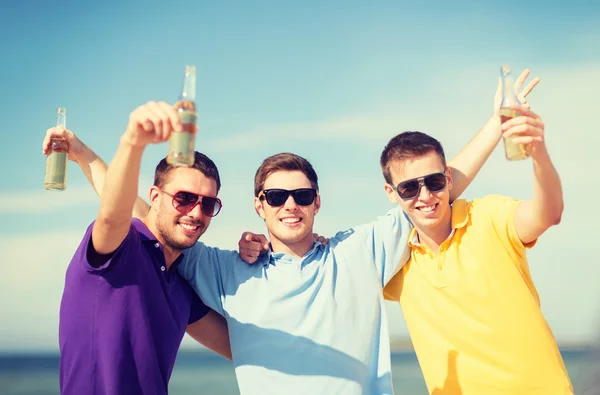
column 467, row 295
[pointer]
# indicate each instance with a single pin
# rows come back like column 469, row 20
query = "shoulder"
column 393, row 223
column 202, row 254
column 491, row 204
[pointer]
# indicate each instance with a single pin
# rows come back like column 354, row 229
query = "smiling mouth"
column 189, row 228
column 291, row 221
column 428, row 209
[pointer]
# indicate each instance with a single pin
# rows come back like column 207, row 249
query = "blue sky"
column 332, row 82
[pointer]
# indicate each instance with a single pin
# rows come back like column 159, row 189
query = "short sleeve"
column 500, row 210
column 386, row 241
column 207, row 269
column 88, row 256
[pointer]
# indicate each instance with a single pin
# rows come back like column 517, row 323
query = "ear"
column 392, row 195
column 153, row 195
column 317, row 203
column 449, row 178
column 259, row 208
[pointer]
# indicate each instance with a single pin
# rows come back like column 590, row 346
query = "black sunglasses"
column 278, row 197
column 410, row 189
column 184, row 202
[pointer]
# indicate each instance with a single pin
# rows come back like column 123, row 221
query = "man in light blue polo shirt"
column 308, row 318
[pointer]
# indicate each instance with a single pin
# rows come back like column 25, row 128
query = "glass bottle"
column 508, row 111
column 56, row 162
column 181, row 142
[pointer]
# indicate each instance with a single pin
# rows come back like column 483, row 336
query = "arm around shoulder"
column 211, row 331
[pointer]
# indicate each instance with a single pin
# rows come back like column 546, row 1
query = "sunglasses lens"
column 435, row 182
column 183, row 201
column 276, row 197
column 408, row 189
column 210, row 206
column 305, row 196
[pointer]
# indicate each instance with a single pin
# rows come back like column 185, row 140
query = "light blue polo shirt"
column 315, row 325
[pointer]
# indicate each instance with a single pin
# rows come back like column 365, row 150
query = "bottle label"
column 56, row 170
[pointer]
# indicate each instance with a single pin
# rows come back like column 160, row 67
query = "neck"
column 298, row 249
column 170, row 254
column 432, row 237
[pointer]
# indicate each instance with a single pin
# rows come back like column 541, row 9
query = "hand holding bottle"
column 528, row 130
column 76, row 148
column 151, row 123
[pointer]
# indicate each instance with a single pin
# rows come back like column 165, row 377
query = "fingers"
column 248, row 258
column 323, row 240
column 172, row 114
column 524, row 130
column 527, row 117
column 155, row 120
column 263, row 241
column 55, row 132
column 523, row 112
column 521, row 79
column 527, row 90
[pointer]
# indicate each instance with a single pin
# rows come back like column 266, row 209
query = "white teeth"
column 188, row 226
column 427, row 208
column 290, row 220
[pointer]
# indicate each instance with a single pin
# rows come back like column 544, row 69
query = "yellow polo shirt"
column 473, row 312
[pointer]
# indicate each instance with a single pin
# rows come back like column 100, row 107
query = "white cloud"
column 42, row 201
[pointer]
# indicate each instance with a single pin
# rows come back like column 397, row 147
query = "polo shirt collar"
column 274, row 257
column 148, row 237
column 460, row 217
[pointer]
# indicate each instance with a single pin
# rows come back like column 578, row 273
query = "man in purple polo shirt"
column 125, row 309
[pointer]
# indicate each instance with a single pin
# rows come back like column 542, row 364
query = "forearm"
column 94, row 169
column 471, row 158
column 121, row 185
column 547, row 204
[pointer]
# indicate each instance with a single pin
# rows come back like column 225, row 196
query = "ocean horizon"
column 203, row 372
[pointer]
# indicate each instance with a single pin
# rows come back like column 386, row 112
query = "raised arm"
column 150, row 123
column 533, row 217
column 92, row 166
column 471, row 158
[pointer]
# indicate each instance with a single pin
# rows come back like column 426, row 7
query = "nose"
column 290, row 203
column 424, row 193
column 196, row 212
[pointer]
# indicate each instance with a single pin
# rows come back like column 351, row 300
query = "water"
column 204, row 373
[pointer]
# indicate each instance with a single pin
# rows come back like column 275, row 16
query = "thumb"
column 248, row 236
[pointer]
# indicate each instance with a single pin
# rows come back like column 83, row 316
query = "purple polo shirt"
column 121, row 324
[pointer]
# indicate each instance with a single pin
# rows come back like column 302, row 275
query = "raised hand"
column 151, row 123
column 76, row 146
column 522, row 95
column 526, row 129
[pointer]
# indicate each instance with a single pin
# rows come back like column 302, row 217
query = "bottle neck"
column 188, row 92
column 61, row 118
column 509, row 96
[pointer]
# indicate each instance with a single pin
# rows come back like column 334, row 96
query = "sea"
column 204, row 373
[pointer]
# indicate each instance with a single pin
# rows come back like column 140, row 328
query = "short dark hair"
column 284, row 161
column 202, row 163
column 408, row 146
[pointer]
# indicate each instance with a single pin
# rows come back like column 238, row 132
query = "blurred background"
column 331, row 81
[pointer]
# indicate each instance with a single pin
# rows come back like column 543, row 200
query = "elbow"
column 556, row 216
